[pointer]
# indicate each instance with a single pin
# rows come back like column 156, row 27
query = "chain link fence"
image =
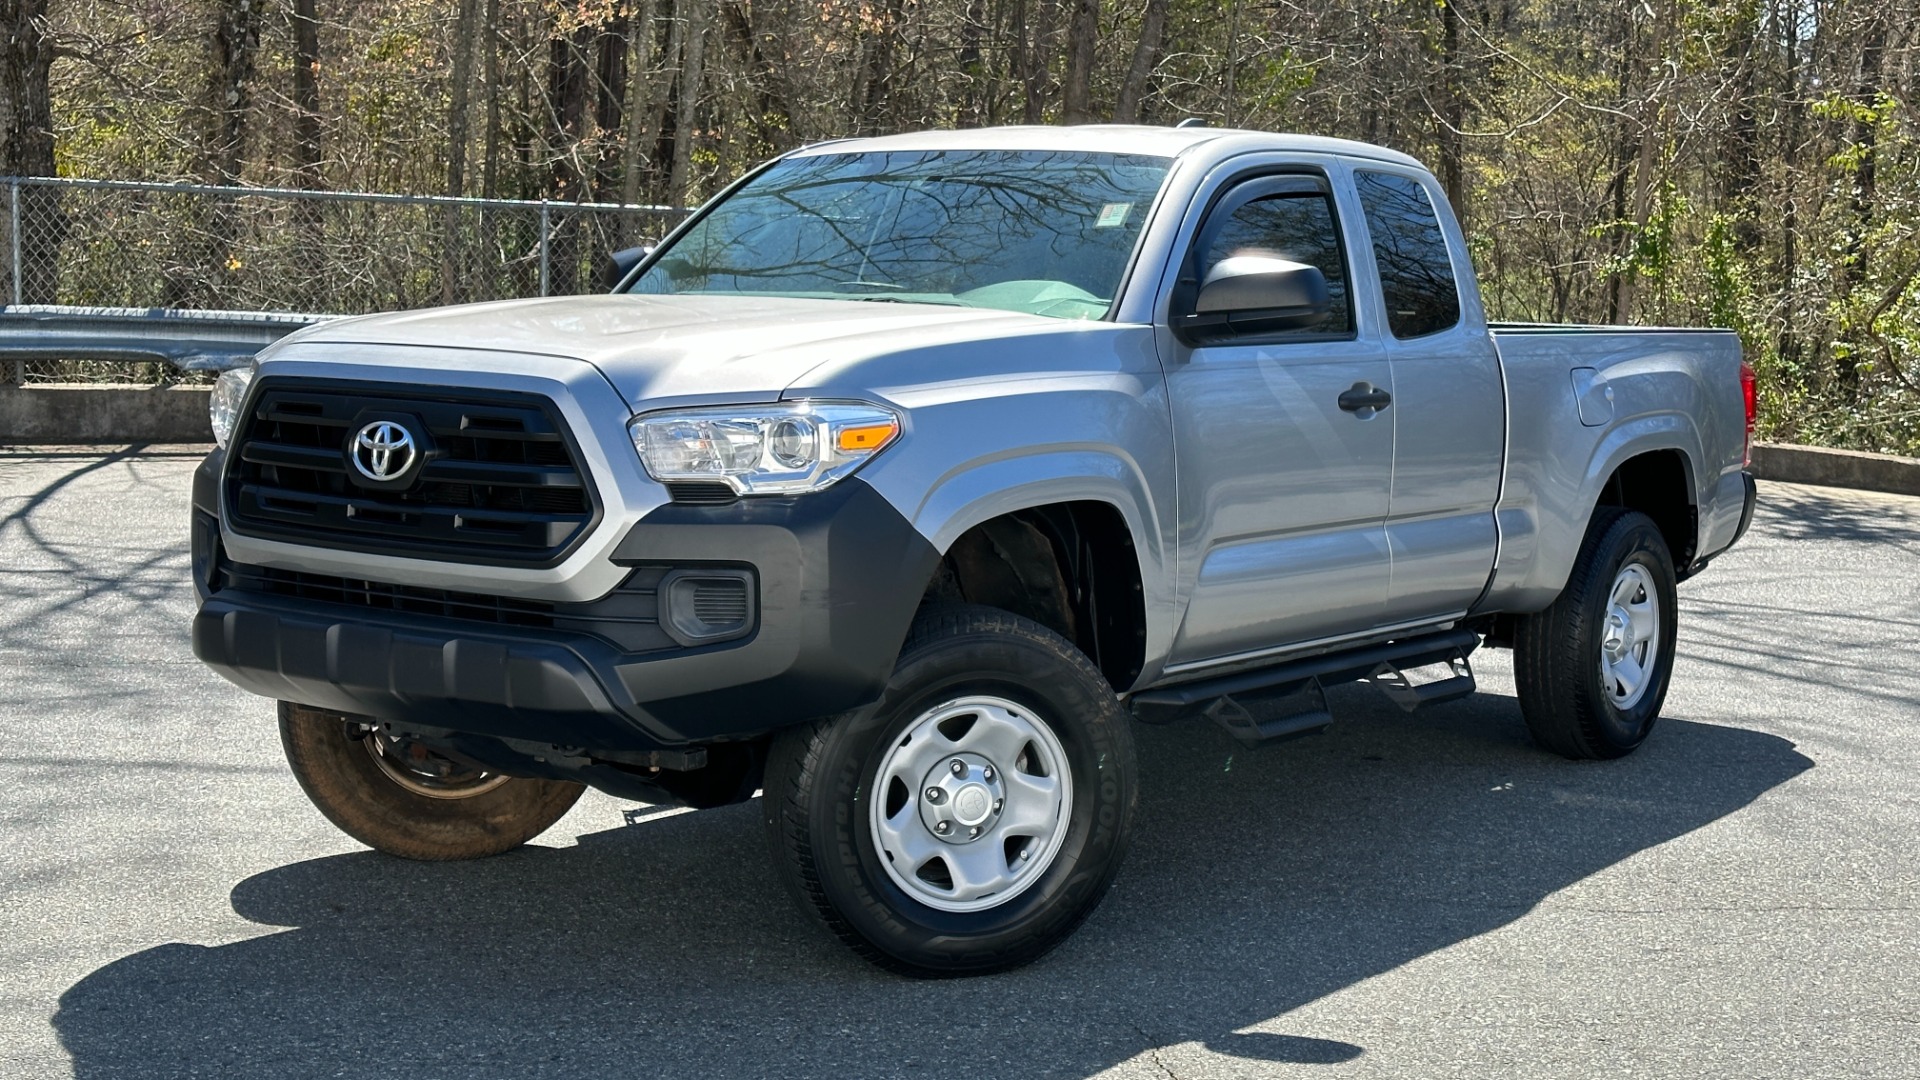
column 105, row 243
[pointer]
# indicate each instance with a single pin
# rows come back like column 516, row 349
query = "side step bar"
column 1286, row 699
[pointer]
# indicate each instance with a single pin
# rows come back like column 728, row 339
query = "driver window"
column 1294, row 225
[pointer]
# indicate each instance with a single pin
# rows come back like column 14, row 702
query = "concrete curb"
column 1836, row 468
column 112, row 414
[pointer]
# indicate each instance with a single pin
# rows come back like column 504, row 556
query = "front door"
column 1283, row 491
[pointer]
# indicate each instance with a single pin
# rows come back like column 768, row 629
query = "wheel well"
column 1656, row 484
column 1070, row 567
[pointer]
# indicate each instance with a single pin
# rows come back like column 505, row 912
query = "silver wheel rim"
column 971, row 804
column 431, row 775
column 1630, row 637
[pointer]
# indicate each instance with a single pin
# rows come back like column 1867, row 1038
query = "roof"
column 1108, row 138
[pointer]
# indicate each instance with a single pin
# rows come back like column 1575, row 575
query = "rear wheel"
column 397, row 796
column 973, row 817
column 1592, row 670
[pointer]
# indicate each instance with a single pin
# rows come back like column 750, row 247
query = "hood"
column 673, row 349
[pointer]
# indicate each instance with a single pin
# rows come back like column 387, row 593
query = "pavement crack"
column 1153, row 1053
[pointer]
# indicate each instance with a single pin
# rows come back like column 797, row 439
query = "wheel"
column 398, row 797
column 1592, row 670
column 973, row 817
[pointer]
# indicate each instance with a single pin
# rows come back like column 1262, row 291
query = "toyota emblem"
column 383, row 451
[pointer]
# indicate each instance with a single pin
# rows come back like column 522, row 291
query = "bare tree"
column 690, row 86
column 1147, row 52
column 306, row 93
column 26, row 143
column 1083, row 31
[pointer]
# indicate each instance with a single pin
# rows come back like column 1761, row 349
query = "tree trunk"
column 772, row 120
column 609, row 103
column 204, row 276
column 567, row 176
column 236, row 43
column 873, row 92
column 1146, row 56
column 26, row 147
column 974, row 96
column 464, row 20
column 1229, row 94
column 643, row 110
column 665, row 117
column 1739, row 159
column 1788, row 344
column 454, row 279
column 1035, row 57
column 1083, row 33
column 306, row 93
column 1641, row 152
column 490, row 261
column 312, row 292
column 1453, row 111
column 490, row 163
column 1862, row 201
column 692, row 74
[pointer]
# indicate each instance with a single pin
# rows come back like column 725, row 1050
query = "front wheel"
column 397, row 796
column 971, row 819
column 1592, row 670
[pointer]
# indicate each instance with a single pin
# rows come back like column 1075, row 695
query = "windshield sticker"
column 1112, row 214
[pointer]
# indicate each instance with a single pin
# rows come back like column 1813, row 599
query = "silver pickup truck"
column 909, row 472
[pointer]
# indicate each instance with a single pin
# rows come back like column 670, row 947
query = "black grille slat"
column 500, row 482
column 700, row 493
column 321, row 459
column 627, row 618
column 488, row 472
column 404, row 523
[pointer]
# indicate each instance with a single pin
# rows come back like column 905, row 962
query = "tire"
column 1009, row 699
column 470, row 815
column 1569, row 675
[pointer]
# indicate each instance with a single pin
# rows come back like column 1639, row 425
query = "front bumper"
column 838, row 576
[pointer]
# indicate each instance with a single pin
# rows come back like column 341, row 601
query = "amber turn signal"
column 867, row 437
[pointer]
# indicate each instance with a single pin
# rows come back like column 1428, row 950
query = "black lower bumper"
column 837, row 578
column 1752, row 495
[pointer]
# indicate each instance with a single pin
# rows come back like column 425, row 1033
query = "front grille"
column 500, row 482
column 627, row 618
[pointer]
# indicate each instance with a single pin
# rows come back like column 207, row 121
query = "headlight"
column 764, row 449
column 223, row 406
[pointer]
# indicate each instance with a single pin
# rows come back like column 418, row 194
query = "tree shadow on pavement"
column 1792, row 512
column 1259, row 882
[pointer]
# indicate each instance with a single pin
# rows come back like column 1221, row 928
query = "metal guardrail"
column 188, row 340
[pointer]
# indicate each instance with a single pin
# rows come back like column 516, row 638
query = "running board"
column 1409, row 695
column 1265, row 716
column 1267, row 687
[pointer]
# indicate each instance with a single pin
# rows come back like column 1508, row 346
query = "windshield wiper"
column 903, row 300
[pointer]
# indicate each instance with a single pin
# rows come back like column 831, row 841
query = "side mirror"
column 618, row 263
column 1254, row 294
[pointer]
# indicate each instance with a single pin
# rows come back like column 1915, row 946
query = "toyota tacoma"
column 904, row 476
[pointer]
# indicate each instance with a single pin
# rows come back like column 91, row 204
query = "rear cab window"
column 1410, row 252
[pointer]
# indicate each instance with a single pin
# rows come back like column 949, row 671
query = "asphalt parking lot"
column 1405, row 896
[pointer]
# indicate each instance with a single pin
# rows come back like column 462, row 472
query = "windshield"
column 1041, row 232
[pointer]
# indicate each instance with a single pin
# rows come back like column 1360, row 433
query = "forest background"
column 1746, row 164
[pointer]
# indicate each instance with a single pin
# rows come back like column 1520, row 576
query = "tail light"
column 1750, row 391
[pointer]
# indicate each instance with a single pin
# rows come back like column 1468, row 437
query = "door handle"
column 1364, row 395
